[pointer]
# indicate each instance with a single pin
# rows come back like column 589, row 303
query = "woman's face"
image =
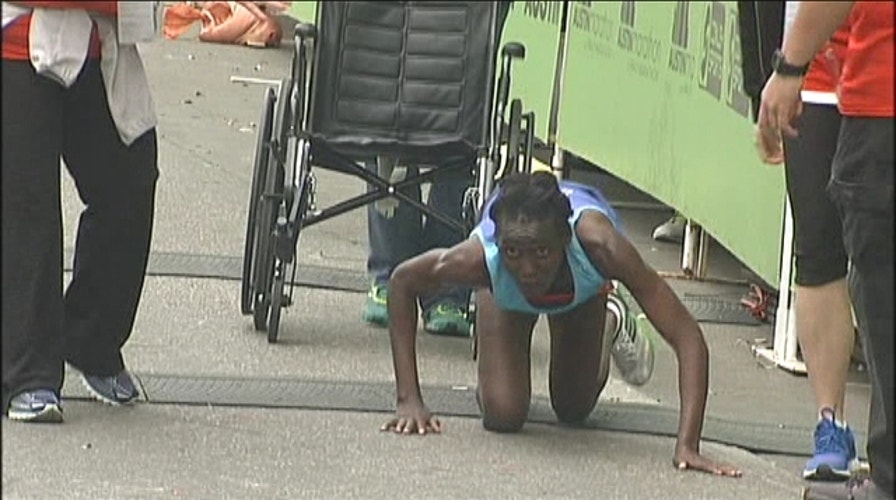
column 532, row 251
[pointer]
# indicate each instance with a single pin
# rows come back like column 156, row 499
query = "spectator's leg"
column 446, row 196
column 444, row 312
column 32, row 231
column 862, row 186
column 117, row 184
column 393, row 231
column 823, row 317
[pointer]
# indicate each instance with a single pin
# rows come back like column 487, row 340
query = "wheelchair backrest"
column 403, row 78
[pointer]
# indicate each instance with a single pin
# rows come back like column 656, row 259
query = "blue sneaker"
column 835, row 451
column 115, row 390
column 40, row 405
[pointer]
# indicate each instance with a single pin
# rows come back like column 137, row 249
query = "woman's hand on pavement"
column 413, row 418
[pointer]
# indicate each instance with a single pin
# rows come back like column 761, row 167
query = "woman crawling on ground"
column 551, row 248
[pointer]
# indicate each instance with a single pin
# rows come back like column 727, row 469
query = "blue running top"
column 587, row 279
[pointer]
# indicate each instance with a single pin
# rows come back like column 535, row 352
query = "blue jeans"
column 402, row 233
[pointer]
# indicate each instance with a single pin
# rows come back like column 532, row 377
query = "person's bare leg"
column 505, row 384
column 580, row 358
column 825, row 330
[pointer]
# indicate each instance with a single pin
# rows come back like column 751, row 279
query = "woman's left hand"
column 780, row 107
column 692, row 459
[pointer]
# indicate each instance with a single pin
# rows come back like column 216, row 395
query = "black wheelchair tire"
column 272, row 198
column 514, row 125
column 474, row 342
column 264, row 269
column 470, row 209
column 471, row 317
column 474, row 339
column 259, row 174
column 278, row 298
column 276, row 302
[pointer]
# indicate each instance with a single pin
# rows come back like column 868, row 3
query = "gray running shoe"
column 632, row 351
column 39, row 405
column 116, row 390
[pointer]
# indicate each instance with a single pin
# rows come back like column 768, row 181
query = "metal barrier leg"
column 557, row 162
column 694, row 251
column 784, row 350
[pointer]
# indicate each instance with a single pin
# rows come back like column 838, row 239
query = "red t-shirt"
column 15, row 34
column 866, row 82
column 822, row 76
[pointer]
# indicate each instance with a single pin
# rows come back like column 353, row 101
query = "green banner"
column 537, row 26
column 304, row 12
column 652, row 93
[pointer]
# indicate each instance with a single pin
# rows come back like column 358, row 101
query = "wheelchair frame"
column 282, row 193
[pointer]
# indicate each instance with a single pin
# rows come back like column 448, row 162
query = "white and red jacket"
column 58, row 37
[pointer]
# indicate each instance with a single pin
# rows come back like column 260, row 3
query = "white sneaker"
column 632, row 351
column 671, row 231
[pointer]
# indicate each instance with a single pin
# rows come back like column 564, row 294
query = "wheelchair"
column 409, row 80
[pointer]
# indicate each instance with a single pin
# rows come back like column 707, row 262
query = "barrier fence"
column 651, row 92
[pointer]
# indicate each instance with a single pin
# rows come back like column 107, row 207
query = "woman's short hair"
column 532, row 197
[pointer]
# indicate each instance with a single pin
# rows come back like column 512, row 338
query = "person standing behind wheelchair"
column 396, row 232
column 72, row 91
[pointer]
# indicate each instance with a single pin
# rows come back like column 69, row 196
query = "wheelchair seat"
column 408, row 79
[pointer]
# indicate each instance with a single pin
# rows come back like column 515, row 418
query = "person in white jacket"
column 74, row 89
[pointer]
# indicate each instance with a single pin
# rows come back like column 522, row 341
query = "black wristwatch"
column 784, row 68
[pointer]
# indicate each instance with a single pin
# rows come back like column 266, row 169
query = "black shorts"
column 818, row 231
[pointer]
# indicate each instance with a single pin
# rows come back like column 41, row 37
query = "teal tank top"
column 587, row 279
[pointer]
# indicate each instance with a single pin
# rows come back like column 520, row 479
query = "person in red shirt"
column 44, row 120
column 824, row 323
column 861, row 187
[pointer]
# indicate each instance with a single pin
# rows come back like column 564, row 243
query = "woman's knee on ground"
column 572, row 412
column 503, row 416
column 503, row 423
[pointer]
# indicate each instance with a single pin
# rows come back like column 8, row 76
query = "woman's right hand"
column 413, row 418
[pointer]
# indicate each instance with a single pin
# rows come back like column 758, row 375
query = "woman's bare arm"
column 618, row 259
column 461, row 265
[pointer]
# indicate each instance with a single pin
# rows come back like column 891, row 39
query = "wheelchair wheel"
column 470, row 209
column 259, row 175
column 514, row 125
column 271, row 199
column 471, row 316
column 528, row 140
column 279, row 299
column 264, row 269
